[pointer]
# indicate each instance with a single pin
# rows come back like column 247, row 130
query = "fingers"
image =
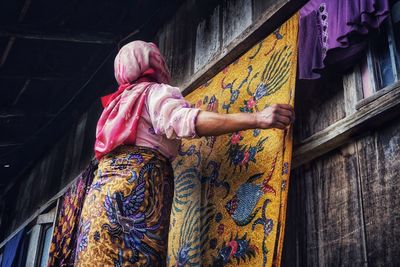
column 284, row 106
column 285, row 112
column 286, row 120
column 279, row 125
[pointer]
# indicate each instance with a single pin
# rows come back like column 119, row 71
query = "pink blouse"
column 166, row 118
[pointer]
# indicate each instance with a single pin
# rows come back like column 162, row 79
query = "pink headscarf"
column 136, row 65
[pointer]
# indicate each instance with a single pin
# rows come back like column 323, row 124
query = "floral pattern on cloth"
column 230, row 195
column 64, row 240
column 125, row 217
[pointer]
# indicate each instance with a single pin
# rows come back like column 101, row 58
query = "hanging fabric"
column 230, row 195
column 11, row 248
column 333, row 34
column 63, row 244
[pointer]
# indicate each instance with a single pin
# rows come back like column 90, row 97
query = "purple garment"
column 333, row 33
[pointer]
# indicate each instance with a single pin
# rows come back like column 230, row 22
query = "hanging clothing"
column 144, row 110
column 11, row 248
column 332, row 34
column 63, row 244
column 126, row 213
column 231, row 191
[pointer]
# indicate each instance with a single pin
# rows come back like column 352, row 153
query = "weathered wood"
column 352, row 85
column 47, row 217
column 269, row 21
column 259, row 6
column 23, row 89
column 318, row 105
column 376, row 95
column 11, row 41
column 104, row 38
column 370, row 115
column 40, row 78
column 236, row 17
column 7, row 51
column 207, row 40
column 379, row 158
column 327, row 213
column 176, row 41
column 291, row 250
column 33, row 248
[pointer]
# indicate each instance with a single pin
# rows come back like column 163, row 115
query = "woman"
column 125, row 216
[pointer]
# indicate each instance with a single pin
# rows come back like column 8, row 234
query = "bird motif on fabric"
column 128, row 220
column 242, row 206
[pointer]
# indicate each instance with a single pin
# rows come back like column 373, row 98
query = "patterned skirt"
column 125, row 217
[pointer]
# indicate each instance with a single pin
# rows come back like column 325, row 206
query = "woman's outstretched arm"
column 213, row 124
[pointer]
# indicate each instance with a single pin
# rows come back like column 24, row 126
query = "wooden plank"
column 313, row 113
column 103, row 38
column 11, row 41
column 207, row 40
column 379, row 157
column 48, row 217
column 352, row 85
column 176, row 41
column 328, row 212
column 376, row 95
column 370, row 115
column 260, row 6
column 277, row 14
column 236, row 17
column 33, row 248
column 291, row 249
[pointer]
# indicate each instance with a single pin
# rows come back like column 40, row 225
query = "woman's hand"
column 276, row 116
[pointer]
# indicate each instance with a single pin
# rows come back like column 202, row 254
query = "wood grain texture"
column 207, row 40
column 379, row 158
column 271, row 18
column 318, row 105
column 325, row 208
column 369, row 116
column 236, row 17
column 352, row 86
column 50, row 175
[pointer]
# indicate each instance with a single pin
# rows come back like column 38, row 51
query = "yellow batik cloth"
column 231, row 191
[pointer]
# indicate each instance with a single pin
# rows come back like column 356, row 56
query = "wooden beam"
column 33, row 77
column 7, row 50
column 22, row 91
column 6, row 145
column 16, row 115
column 104, row 38
column 11, row 41
column 275, row 16
column 370, row 115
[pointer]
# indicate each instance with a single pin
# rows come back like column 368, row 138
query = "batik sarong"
column 125, row 217
column 230, row 191
column 63, row 243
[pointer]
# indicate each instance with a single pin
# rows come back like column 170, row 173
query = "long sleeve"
column 170, row 113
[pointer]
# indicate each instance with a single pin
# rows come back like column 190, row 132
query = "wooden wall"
column 343, row 206
column 343, row 202
column 203, row 30
column 50, row 174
